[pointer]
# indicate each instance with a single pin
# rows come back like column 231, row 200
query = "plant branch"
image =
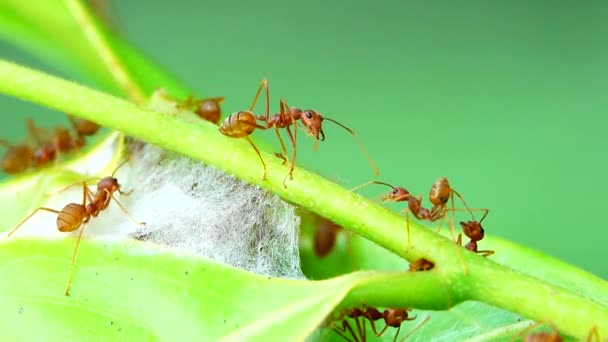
column 485, row 280
column 95, row 36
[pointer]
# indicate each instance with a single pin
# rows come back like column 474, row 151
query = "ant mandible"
column 242, row 124
column 74, row 215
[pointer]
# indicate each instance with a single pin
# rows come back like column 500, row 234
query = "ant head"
column 473, row 230
column 394, row 317
column 313, row 122
column 108, row 183
column 397, row 195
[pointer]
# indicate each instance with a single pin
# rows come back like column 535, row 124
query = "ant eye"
column 395, row 192
column 309, row 115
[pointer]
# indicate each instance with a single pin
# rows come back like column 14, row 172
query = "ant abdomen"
column 440, row 192
column 239, row 124
column 71, row 217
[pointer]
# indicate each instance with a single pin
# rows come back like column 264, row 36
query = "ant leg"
column 593, row 333
column 30, row 215
column 293, row 159
column 263, row 84
column 485, row 211
column 451, row 224
column 281, row 156
column 71, row 185
column 127, row 213
column 360, row 330
column 341, row 331
column 67, row 289
column 459, row 240
column 397, row 333
column 407, row 220
column 259, row 155
column 439, row 214
column 34, row 132
column 283, row 106
column 276, row 129
column 416, row 328
column 485, row 253
column 86, row 194
column 463, row 202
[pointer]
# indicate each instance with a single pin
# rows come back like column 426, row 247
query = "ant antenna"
column 369, row 183
column 371, row 162
column 120, row 165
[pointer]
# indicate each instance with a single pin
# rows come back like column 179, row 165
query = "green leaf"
column 134, row 290
column 49, row 30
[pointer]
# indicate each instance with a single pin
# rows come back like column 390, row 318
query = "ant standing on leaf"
column 393, row 317
column 242, row 124
column 75, row 215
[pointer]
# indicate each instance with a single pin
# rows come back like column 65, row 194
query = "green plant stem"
column 485, row 280
column 96, row 37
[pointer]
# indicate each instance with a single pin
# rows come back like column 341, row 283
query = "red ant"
column 242, row 124
column 74, row 215
column 393, row 317
column 440, row 193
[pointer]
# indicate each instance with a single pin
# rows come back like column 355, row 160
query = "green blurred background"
column 504, row 98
